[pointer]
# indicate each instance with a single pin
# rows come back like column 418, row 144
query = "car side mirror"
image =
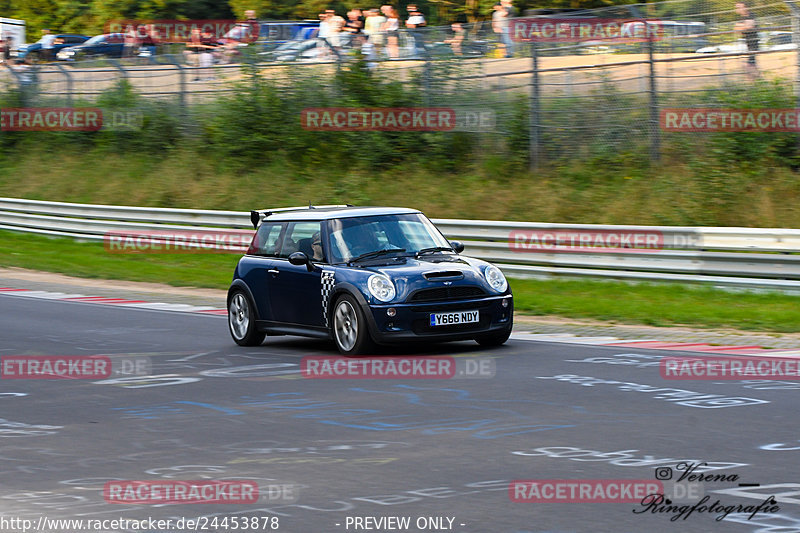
column 458, row 246
column 300, row 258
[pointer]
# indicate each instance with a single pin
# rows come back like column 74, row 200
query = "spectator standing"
column 208, row 52
column 9, row 39
column 130, row 42
column 455, row 40
column 414, row 22
column 242, row 34
column 28, row 79
column 324, row 34
column 353, row 28
column 511, row 12
column 193, row 48
column 391, row 28
column 47, row 45
column 372, row 27
column 253, row 26
column 149, row 42
column 746, row 25
column 335, row 25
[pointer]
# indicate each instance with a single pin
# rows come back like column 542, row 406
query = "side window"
column 267, row 239
column 300, row 237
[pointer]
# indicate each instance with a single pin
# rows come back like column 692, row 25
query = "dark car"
column 62, row 40
column 106, row 45
column 363, row 276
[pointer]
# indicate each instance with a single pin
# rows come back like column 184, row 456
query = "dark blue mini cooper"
column 363, row 276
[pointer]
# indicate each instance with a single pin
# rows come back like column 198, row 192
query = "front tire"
column 350, row 329
column 242, row 321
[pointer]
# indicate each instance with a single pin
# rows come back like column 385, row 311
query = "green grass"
column 673, row 194
column 653, row 304
column 659, row 304
column 91, row 260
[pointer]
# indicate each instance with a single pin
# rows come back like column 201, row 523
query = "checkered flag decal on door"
column 327, row 288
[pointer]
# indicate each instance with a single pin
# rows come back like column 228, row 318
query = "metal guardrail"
column 727, row 257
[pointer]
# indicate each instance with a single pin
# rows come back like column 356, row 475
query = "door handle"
column 274, row 271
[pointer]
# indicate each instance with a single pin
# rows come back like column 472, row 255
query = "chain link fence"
column 565, row 99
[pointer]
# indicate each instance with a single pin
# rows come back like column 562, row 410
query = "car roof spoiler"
column 257, row 216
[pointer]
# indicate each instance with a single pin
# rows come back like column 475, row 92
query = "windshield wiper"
column 433, row 249
column 377, row 253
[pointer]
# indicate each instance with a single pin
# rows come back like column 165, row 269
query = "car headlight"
column 496, row 279
column 381, row 288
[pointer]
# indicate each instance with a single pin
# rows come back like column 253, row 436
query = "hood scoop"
column 443, row 275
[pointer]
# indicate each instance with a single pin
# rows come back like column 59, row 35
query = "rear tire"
column 350, row 330
column 242, row 320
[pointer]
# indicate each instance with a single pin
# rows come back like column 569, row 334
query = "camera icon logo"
column 663, row 473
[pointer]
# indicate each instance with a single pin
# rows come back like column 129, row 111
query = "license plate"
column 457, row 317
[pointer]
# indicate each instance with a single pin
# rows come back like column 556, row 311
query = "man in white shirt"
column 415, row 21
column 47, row 41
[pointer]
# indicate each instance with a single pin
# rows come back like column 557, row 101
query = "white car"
column 730, row 48
column 774, row 41
column 780, row 40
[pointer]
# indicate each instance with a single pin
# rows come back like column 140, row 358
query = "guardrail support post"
column 67, row 75
column 655, row 132
column 427, row 77
column 118, row 66
column 533, row 126
column 795, row 9
column 175, row 61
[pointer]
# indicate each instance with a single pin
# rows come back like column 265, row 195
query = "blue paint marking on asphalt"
column 213, row 407
column 151, row 412
column 336, row 414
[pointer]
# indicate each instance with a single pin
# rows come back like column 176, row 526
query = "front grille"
column 446, row 293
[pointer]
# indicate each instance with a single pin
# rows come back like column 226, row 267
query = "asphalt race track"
column 334, row 455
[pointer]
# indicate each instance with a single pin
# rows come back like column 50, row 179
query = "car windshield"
column 408, row 234
column 95, row 40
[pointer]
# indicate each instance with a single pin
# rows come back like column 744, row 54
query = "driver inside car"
column 316, row 247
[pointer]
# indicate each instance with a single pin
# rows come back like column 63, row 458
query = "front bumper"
column 411, row 321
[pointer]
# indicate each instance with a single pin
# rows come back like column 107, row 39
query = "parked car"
column 780, row 40
column 774, row 40
column 63, row 40
column 297, row 50
column 729, row 48
column 106, row 45
column 363, row 276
